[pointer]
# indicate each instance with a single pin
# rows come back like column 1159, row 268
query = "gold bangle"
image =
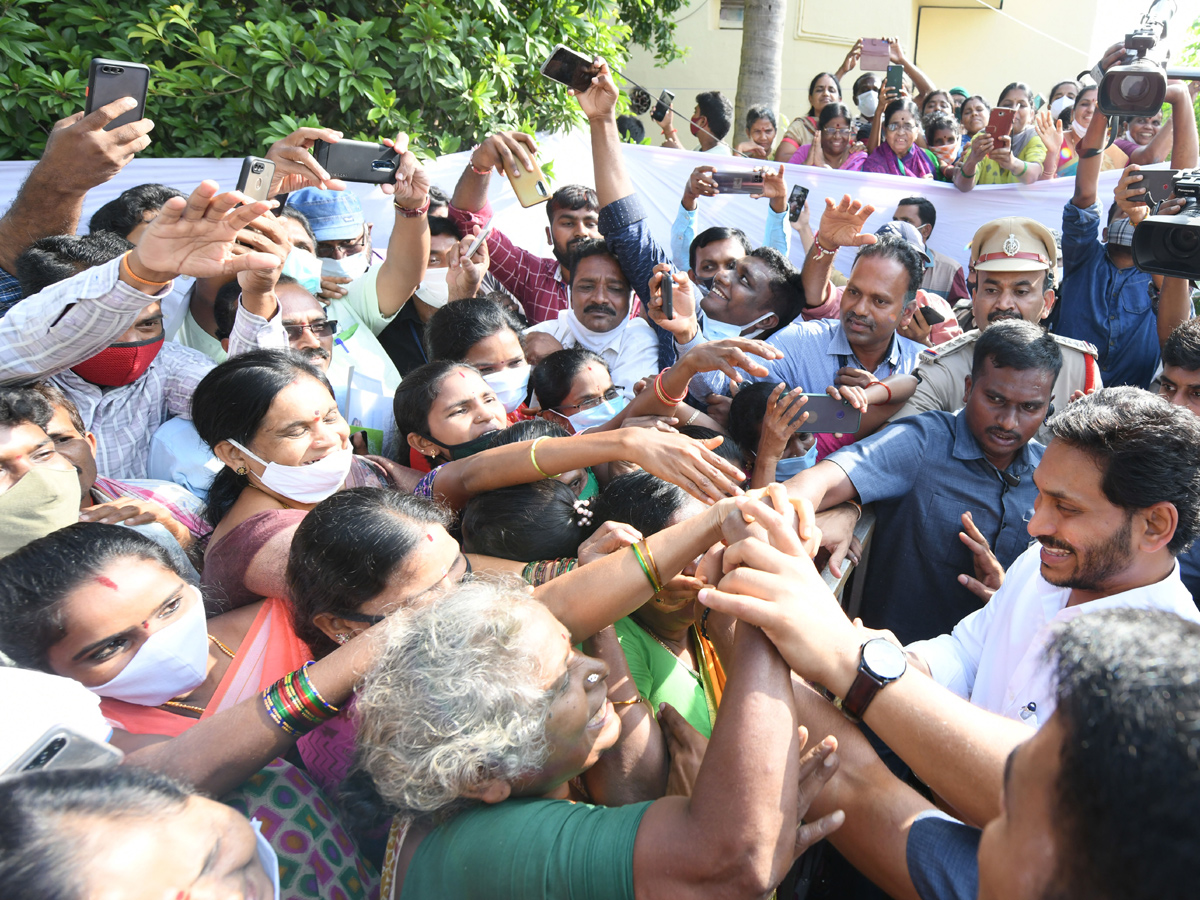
column 858, row 507
column 637, row 699
column 128, row 271
column 533, row 456
column 653, row 565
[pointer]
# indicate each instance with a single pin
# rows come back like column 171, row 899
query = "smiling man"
column 923, row 473
column 1118, row 501
column 1012, row 262
column 598, row 317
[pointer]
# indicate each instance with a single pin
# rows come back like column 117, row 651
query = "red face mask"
column 119, row 364
column 695, row 130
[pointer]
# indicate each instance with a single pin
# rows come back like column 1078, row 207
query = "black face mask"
column 467, row 448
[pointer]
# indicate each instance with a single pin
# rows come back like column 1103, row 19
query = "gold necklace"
column 179, row 704
column 663, row 644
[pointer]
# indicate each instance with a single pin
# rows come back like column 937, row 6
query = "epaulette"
column 1081, row 346
column 940, row 351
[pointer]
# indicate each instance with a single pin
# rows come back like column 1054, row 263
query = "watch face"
column 885, row 660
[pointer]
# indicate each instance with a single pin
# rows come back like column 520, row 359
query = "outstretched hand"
column 842, row 223
column 196, row 237
column 989, row 574
column 80, row 154
column 296, row 167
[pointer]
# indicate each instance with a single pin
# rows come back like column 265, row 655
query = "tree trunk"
column 761, row 69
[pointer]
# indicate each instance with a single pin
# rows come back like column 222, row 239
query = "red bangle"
column 661, row 393
column 412, row 213
column 479, row 171
column 822, row 251
column 885, row 387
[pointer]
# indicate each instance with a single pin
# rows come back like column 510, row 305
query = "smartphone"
column 876, row 55
column 531, row 188
column 111, row 79
column 1000, row 123
column 829, row 416
column 895, row 77
column 1159, row 184
column 570, row 68
column 931, row 316
column 796, row 200
column 660, row 108
column 62, row 748
column 360, row 161
column 480, row 238
column 255, row 178
column 738, row 182
column 668, row 295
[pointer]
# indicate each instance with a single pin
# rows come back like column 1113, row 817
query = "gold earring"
column 241, row 470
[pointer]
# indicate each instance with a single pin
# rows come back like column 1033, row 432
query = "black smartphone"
column 255, row 178
column 570, row 68
column 738, row 182
column 359, row 161
column 931, row 316
column 111, row 79
column 796, row 200
column 668, row 295
column 829, row 416
column 660, row 108
column 1158, row 184
column 895, row 77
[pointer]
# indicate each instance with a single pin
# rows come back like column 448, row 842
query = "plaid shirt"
column 10, row 292
column 73, row 320
column 535, row 281
column 184, row 506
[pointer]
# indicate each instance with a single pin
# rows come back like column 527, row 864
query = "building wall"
column 956, row 42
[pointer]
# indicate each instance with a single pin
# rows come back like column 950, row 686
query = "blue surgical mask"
column 794, row 465
column 266, row 856
column 305, row 268
column 719, row 331
column 597, row 415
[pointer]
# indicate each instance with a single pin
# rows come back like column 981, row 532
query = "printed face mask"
column 947, row 153
column 171, row 663
column 119, row 364
column 306, row 268
column 511, row 386
column 305, row 484
column 352, row 267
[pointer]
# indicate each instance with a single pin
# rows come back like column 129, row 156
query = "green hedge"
column 229, row 78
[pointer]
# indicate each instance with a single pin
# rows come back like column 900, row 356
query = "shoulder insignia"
column 940, row 351
column 1081, row 346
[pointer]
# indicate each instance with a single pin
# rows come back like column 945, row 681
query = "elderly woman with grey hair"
column 479, row 712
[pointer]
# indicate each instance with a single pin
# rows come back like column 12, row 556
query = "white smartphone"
column 479, row 239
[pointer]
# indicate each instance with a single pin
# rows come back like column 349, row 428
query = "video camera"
column 1170, row 245
column 1139, row 87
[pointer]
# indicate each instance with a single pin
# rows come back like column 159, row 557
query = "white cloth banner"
column 659, row 176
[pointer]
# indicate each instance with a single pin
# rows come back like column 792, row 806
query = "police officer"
column 1013, row 262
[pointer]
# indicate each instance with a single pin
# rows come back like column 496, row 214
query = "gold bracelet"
column 858, row 507
column 533, row 456
column 159, row 285
column 626, row 702
column 653, row 565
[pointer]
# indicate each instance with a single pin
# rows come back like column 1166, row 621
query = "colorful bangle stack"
column 663, row 396
column 533, row 455
column 295, row 705
column 543, row 570
column 641, row 552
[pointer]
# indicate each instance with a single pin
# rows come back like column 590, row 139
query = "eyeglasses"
column 837, row 132
column 902, row 126
column 611, row 394
column 349, row 247
column 319, row 329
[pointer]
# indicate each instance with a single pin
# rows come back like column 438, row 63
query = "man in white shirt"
column 598, row 317
column 1117, row 503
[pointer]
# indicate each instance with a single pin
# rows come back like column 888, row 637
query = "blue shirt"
column 1108, row 307
column 943, row 857
column 922, row 473
column 1189, row 570
column 10, row 292
column 683, row 232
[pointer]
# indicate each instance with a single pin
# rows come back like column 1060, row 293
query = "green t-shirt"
column 661, row 677
column 989, row 172
column 526, row 850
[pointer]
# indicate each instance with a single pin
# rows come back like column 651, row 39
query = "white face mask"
column 868, row 102
column 1060, row 104
column 352, row 267
column 1079, row 128
column 434, row 291
column 266, row 856
column 719, row 331
column 305, row 484
column 597, row 415
column 511, row 386
column 172, row 662
column 596, row 341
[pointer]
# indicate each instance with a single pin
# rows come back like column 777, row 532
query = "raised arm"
column 599, row 103
column 924, row 86
column 841, row 226
column 1185, row 144
column 408, row 247
column 1087, row 170
column 79, row 156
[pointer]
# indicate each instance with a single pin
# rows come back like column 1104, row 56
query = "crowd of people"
column 445, row 569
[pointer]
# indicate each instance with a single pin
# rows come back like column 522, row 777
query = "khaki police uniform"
column 1013, row 244
column 943, row 370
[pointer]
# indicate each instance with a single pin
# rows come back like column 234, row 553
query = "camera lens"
column 1133, row 89
column 256, row 168
column 1182, row 241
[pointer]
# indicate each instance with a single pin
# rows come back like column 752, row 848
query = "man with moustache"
column 598, row 317
column 974, row 475
column 1116, row 506
column 1012, row 261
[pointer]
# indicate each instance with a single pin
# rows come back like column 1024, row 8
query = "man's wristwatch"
column 880, row 663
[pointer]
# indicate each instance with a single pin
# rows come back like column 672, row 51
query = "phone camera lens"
column 256, row 168
column 541, row 189
column 841, row 414
column 50, row 751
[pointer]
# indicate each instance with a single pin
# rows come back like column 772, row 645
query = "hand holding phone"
column 796, row 201
column 479, row 239
column 738, row 182
column 255, row 178
column 663, row 106
column 1000, row 123
column 531, row 188
column 668, row 295
column 360, row 161
column 827, row 415
column 111, row 79
column 931, row 316
column 895, row 77
column 568, row 67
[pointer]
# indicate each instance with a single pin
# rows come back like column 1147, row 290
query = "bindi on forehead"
column 106, row 582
